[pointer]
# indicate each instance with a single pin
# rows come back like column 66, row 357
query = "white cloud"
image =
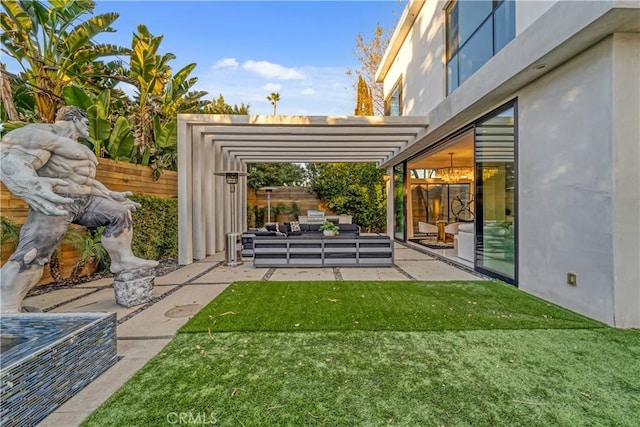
column 226, row 63
column 324, row 91
column 272, row 87
column 272, row 71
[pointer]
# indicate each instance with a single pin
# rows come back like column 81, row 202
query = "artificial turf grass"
column 454, row 378
column 398, row 306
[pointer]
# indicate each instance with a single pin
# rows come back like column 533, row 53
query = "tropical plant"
column 160, row 95
column 22, row 99
column 219, row 106
column 294, row 211
column 54, row 45
column 274, row 98
column 9, row 232
column 9, row 111
column 329, row 226
column 70, row 236
column 107, row 140
column 90, row 248
column 256, row 216
column 150, row 72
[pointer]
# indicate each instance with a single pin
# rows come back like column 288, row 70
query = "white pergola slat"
column 213, row 142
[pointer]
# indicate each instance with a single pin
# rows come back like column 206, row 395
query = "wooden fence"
column 286, row 196
column 117, row 176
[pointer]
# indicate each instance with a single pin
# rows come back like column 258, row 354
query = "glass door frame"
column 403, row 167
column 479, row 211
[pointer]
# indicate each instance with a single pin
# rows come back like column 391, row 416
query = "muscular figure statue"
column 45, row 166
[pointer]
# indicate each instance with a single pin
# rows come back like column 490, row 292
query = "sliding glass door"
column 398, row 202
column 495, row 195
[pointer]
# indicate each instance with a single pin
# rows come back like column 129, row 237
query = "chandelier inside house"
column 455, row 174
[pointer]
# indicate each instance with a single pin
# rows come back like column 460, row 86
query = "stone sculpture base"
column 134, row 287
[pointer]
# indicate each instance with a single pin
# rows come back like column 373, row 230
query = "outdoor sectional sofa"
column 284, row 230
column 310, row 248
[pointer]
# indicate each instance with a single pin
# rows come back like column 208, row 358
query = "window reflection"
column 476, row 30
column 476, row 52
column 496, row 219
column 394, row 100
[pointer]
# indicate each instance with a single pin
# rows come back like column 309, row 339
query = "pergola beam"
column 209, row 143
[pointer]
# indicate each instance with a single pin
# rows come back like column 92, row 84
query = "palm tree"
column 54, row 46
column 274, row 98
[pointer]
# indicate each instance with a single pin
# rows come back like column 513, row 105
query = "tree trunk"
column 6, row 96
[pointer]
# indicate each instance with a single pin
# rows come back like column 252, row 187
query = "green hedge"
column 155, row 227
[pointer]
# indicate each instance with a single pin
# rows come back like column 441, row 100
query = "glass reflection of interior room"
column 466, row 181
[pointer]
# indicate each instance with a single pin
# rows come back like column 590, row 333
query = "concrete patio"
column 144, row 330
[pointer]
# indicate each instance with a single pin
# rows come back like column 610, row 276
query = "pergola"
column 210, row 142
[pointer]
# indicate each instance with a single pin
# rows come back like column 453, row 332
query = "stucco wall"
column 420, row 62
column 626, row 178
column 565, row 184
column 528, row 11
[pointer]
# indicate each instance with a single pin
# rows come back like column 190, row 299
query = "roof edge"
column 409, row 16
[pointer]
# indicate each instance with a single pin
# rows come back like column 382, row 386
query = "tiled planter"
column 49, row 357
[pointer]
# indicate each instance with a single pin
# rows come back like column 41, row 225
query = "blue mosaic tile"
column 47, row 358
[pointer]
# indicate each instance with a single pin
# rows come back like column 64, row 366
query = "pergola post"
column 197, row 211
column 218, row 198
column 185, row 231
column 209, row 200
column 390, row 196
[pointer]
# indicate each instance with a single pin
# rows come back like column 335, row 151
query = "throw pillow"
column 295, row 226
column 273, row 227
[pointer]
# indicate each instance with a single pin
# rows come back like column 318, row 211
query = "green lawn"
column 262, row 355
column 376, row 306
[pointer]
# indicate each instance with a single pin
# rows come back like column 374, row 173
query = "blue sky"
column 248, row 49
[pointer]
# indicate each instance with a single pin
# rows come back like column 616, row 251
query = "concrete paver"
column 185, row 273
column 403, row 254
column 153, row 322
column 224, row 274
column 107, row 281
column 104, row 301
column 434, row 270
column 372, row 273
column 286, row 274
column 55, row 297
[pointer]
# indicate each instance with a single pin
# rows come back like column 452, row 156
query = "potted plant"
column 328, row 228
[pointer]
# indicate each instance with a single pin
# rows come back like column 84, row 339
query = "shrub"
column 155, row 227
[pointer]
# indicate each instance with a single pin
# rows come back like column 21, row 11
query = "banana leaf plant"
column 54, row 45
column 115, row 141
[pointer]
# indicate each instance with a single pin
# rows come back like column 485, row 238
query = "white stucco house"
column 512, row 128
column 536, row 105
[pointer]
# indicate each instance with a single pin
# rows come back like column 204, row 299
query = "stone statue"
column 45, row 166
